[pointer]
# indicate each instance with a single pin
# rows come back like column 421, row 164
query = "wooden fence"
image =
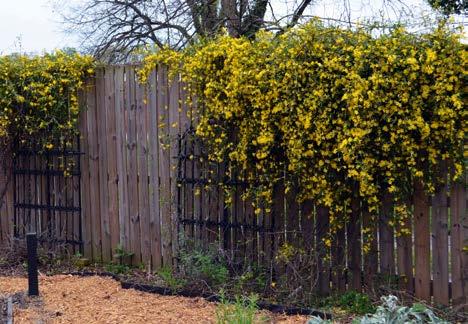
column 136, row 193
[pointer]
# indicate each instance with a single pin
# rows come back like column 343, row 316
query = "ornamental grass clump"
column 329, row 114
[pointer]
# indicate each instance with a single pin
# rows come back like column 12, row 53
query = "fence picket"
column 386, row 247
column 132, row 160
column 458, row 237
column 354, row 245
column 142, row 153
column 405, row 255
column 164, row 165
column 154, row 203
column 120, row 113
column 85, row 194
column 370, row 241
column 323, row 224
column 422, row 272
column 93, row 164
column 111, row 139
column 103, row 165
column 440, row 257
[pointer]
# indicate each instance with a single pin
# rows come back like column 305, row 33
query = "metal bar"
column 48, row 207
column 80, row 234
column 33, row 282
column 9, row 316
column 15, row 197
column 55, row 152
column 225, row 224
column 45, row 172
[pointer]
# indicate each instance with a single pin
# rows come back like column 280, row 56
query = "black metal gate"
column 47, row 194
column 203, row 215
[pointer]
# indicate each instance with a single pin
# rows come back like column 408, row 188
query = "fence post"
column 31, row 241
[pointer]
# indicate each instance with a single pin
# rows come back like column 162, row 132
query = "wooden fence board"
column 103, row 165
column 5, row 190
column 154, row 204
column 370, row 259
column 405, row 254
column 338, row 259
column 143, row 190
column 85, row 194
column 132, row 160
column 278, row 213
column 93, row 165
column 422, row 272
column 120, row 129
column 323, row 224
column 458, row 237
column 164, row 165
column 386, row 247
column 354, row 245
column 111, row 139
column 174, row 132
column 440, row 256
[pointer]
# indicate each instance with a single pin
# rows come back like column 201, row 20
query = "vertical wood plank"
column 93, row 165
column 251, row 237
column 103, row 163
column 440, row 257
column 307, row 226
column 143, row 193
column 155, row 220
column 292, row 219
column 338, row 259
column 132, row 160
column 422, row 269
column 174, row 126
column 164, row 165
column 111, row 143
column 5, row 179
column 458, row 237
column 122, row 184
column 354, row 244
column 405, row 254
column 85, row 190
column 323, row 224
column 370, row 241
column 279, row 218
column 386, row 237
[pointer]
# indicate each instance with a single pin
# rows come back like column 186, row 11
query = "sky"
column 32, row 26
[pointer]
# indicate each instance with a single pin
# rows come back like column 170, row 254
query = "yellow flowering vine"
column 329, row 112
column 39, row 97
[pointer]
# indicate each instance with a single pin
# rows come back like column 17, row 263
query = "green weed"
column 242, row 311
column 170, row 279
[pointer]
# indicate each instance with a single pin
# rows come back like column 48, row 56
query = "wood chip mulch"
column 72, row 299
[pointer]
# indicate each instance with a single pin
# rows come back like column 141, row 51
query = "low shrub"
column 389, row 312
column 171, row 279
column 199, row 263
column 242, row 311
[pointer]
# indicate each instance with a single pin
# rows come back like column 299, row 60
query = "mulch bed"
column 97, row 299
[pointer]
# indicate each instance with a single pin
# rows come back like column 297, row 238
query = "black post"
column 31, row 241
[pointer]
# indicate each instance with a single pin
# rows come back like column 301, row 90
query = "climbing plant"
column 329, row 113
column 39, row 97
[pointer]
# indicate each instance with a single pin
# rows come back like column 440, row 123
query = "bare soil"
column 72, row 299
